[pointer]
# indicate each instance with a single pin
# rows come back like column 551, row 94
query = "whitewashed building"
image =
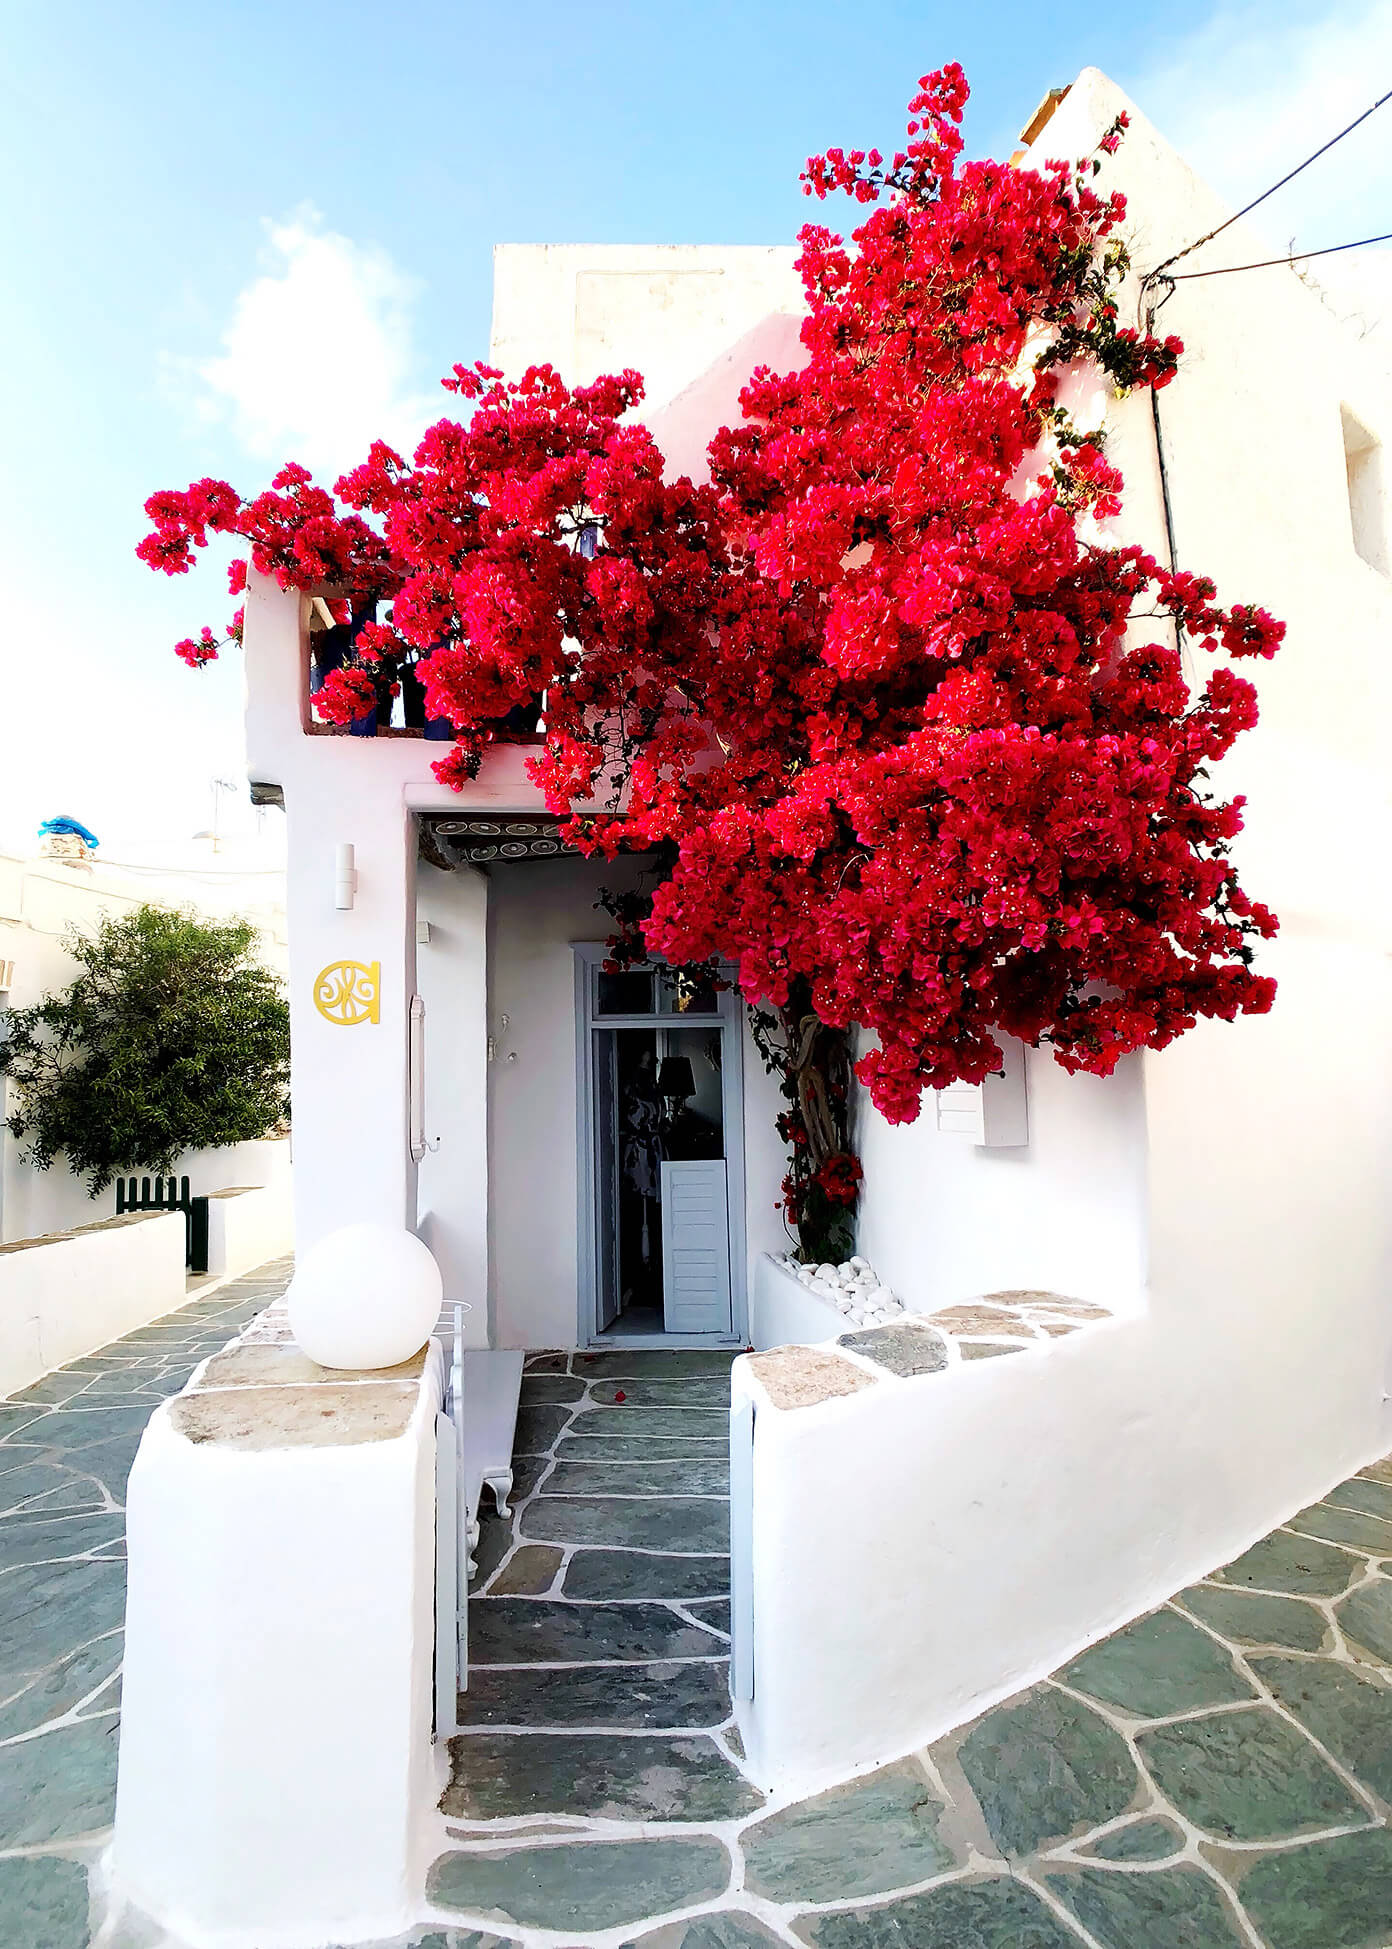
column 1216, row 1213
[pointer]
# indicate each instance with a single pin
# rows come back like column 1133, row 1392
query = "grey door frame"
column 728, row 1019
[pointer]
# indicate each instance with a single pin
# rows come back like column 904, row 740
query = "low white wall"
column 60, row 1297
column 931, row 1545
column 35, row 1203
column 247, row 1226
column 276, row 1771
column 783, row 1313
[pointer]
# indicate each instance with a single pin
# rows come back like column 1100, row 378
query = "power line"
column 1290, row 176
column 1267, row 263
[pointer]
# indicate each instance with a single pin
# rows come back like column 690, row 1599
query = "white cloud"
column 316, row 362
column 1250, row 94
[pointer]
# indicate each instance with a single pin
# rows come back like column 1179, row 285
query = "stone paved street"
column 1216, row 1776
column 66, row 1446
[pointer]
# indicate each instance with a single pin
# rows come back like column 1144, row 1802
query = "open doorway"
column 661, row 1179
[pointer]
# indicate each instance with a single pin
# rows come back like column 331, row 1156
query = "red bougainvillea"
column 877, row 691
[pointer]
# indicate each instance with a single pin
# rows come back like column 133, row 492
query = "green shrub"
column 172, row 1038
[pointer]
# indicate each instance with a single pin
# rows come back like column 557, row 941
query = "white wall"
column 512, row 1188
column 276, row 1777
column 39, row 900
column 451, row 977
column 943, row 1218
column 63, row 1297
column 1039, row 1502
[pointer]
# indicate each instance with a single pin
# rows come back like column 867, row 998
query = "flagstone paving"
column 66, row 1446
column 1217, row 1775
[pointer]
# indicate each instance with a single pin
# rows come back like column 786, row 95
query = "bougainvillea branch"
column 881, row 689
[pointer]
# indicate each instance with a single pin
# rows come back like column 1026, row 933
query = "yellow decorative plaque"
column 349, row 992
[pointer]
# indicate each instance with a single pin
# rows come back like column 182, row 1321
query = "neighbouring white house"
column 73, row 1274
column 65, row 885
column 1215, row 1215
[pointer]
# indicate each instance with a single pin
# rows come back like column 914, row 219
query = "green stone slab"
column 1161, row 1664
column 865, row 1838
column 1373, row 1498
column 654, row 1363
column 495, row 1540
column 717, row 1616
column 108, row 1461
column 1326, row 1895
column 1247, row 1776
column 1253, row 1618
column 546, row 1363
column 675, row 1391
column 1173, row 1908
column 43, row 1901
column 997, row 1914
column 633, row 1418
column 48, row 1610
column 906, row 1349
column 39, row 1485
column 54, row 1539
column 1334, row 1894
column 604, row 1697
column 1347, row 1526
column 537, row 1429
column 1046, row 1768
column 1139, row 1840
column 728, row 1928
column 531, row 1569
column 15, row 1416
column 1293, row 1563
column 527, row 1472
column 1366, row 1617
column 539, row 1630
column 59, row 1785
column 72, row 1428
column 693, row 1475
column 587, row 1885
column 1377, row 1471
column 1348, row 1711
column 631, row 1573
column 65, row 1685
column 582, row 1447
column 461, row 1939
column 547, row 1389
column 600, row 1776
column 679, row 1523
column 52, row 1390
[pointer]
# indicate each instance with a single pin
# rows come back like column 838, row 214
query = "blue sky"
column 253, row 232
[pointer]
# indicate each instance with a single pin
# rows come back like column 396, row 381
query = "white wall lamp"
column 345, row 878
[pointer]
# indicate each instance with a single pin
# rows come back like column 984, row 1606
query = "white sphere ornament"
column 365, row 1296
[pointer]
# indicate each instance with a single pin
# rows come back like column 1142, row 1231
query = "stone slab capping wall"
column 279, row 1651
column 67, row 1293
column 884, row 1464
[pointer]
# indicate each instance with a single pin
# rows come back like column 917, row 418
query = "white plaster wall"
column 248, row 1227
column 1039, row 1502
column 62, row 1298
column 39, row 900
column 503, row 1198
column 783, row 1313
column 670, row 310
column 451, row 977
column 943, row 1218
column 279, row 1645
